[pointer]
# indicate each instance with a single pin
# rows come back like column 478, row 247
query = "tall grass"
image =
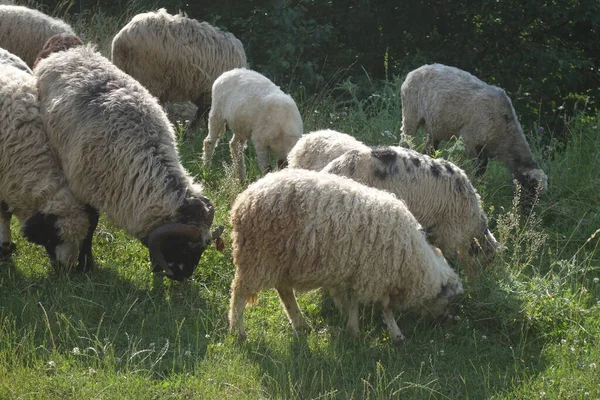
column 528, row 326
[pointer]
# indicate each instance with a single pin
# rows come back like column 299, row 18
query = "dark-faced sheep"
column 254, row 108
column 175, row 57
column 449, row 102
column 57, row 43
column 23, row 31
column 32, row 185
column 119, row 154
column 300, row 230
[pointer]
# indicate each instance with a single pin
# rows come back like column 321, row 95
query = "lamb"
column 450, row 102
column 437, row 193
column 316, row 149
column 119, row 154
column 300, row 230
column 9, row 59
column 254, row 108
column 23, row 31
column 57, row 43
column 176, row 58
column 32, row 185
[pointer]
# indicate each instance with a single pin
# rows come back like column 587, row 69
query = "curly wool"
column 254, row 108
column 176, row 58
column 305, row 230
column 450, row 102
column 316, row 149
column 116, row 145
column 438, row 193
column 23, row 31
column 9, row 59
column 31, row 180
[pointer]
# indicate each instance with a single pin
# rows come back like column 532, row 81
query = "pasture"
column 527, row 327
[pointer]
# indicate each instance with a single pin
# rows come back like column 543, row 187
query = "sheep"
column 437, row 192
column 300, row 230
column 176, row 58
column 254, row 108
column 119, row 154
column 23, row 31
column 450, row 102
column 32, row 185
column 57, row 43
column 316, row 149
column 9, row 59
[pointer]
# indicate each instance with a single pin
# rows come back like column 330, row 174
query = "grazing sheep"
column 119, row 154
column 254, row 108
column 176, row 58
column 450, row 102
column 23, row 31
column 57, row 43
column 300, row 230
column 316, row 149
column 32, row 185
column 9, row 59
column 437, row 193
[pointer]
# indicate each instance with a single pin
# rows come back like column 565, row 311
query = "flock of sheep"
column 82, row 135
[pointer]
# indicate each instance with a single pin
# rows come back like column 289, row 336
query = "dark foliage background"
column 544, row 53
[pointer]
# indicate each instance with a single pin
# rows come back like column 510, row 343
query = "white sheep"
column 449, row 102
column 32, row 185
column 23, row 31
column 118, row 151
column 175, row 57
column 9, row 59
column 437, row 192
column 300, row 230
column 254, row 108
column 316, row 149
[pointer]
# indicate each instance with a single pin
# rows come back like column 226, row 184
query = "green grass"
column 526, row 328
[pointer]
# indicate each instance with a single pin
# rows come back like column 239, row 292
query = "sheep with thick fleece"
column 449, row 102
column 254, row 108
column 316, row 149
column 9, row 59
column 437, row 192
column 23, row 31
column 300, row 230
column 32, row 185
column 175, row 57
column 118, row 151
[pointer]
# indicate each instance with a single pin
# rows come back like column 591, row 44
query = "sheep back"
column 305, row 229
column 316, row 149
column 23, row 31
column 175, row 57
column 8, row 58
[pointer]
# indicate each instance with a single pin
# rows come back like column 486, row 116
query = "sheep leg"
column 340, row 299
column 86, row 260
column 237, row 305
column 288, row 299
column 431, row 145
column 236, row 148
column 262, row 156
column 388, row 317
column 203, row 108
column 353, row 316
column 7, row 245
column 216, row 129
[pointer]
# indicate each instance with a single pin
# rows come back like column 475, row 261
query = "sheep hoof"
column 7, row 249
column 84, row 264
column 399, row 341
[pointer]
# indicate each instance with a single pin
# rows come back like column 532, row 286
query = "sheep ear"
column 41, row 229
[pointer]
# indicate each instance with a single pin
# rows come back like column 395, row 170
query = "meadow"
column 527, row 327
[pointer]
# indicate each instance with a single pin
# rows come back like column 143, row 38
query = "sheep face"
column 181, row 256
column 485, row 247
column 43, row 229
column 57, row 43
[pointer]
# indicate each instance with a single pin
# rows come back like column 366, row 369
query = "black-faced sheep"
column 176, row 58
column 23, row 31
column 32, row 185
column 450, row 102
column 57, row 43
column 316, row 149
column 300, row 230
column 9, row 59
column 254, row 108
column 437, row 193
column 119, row 154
